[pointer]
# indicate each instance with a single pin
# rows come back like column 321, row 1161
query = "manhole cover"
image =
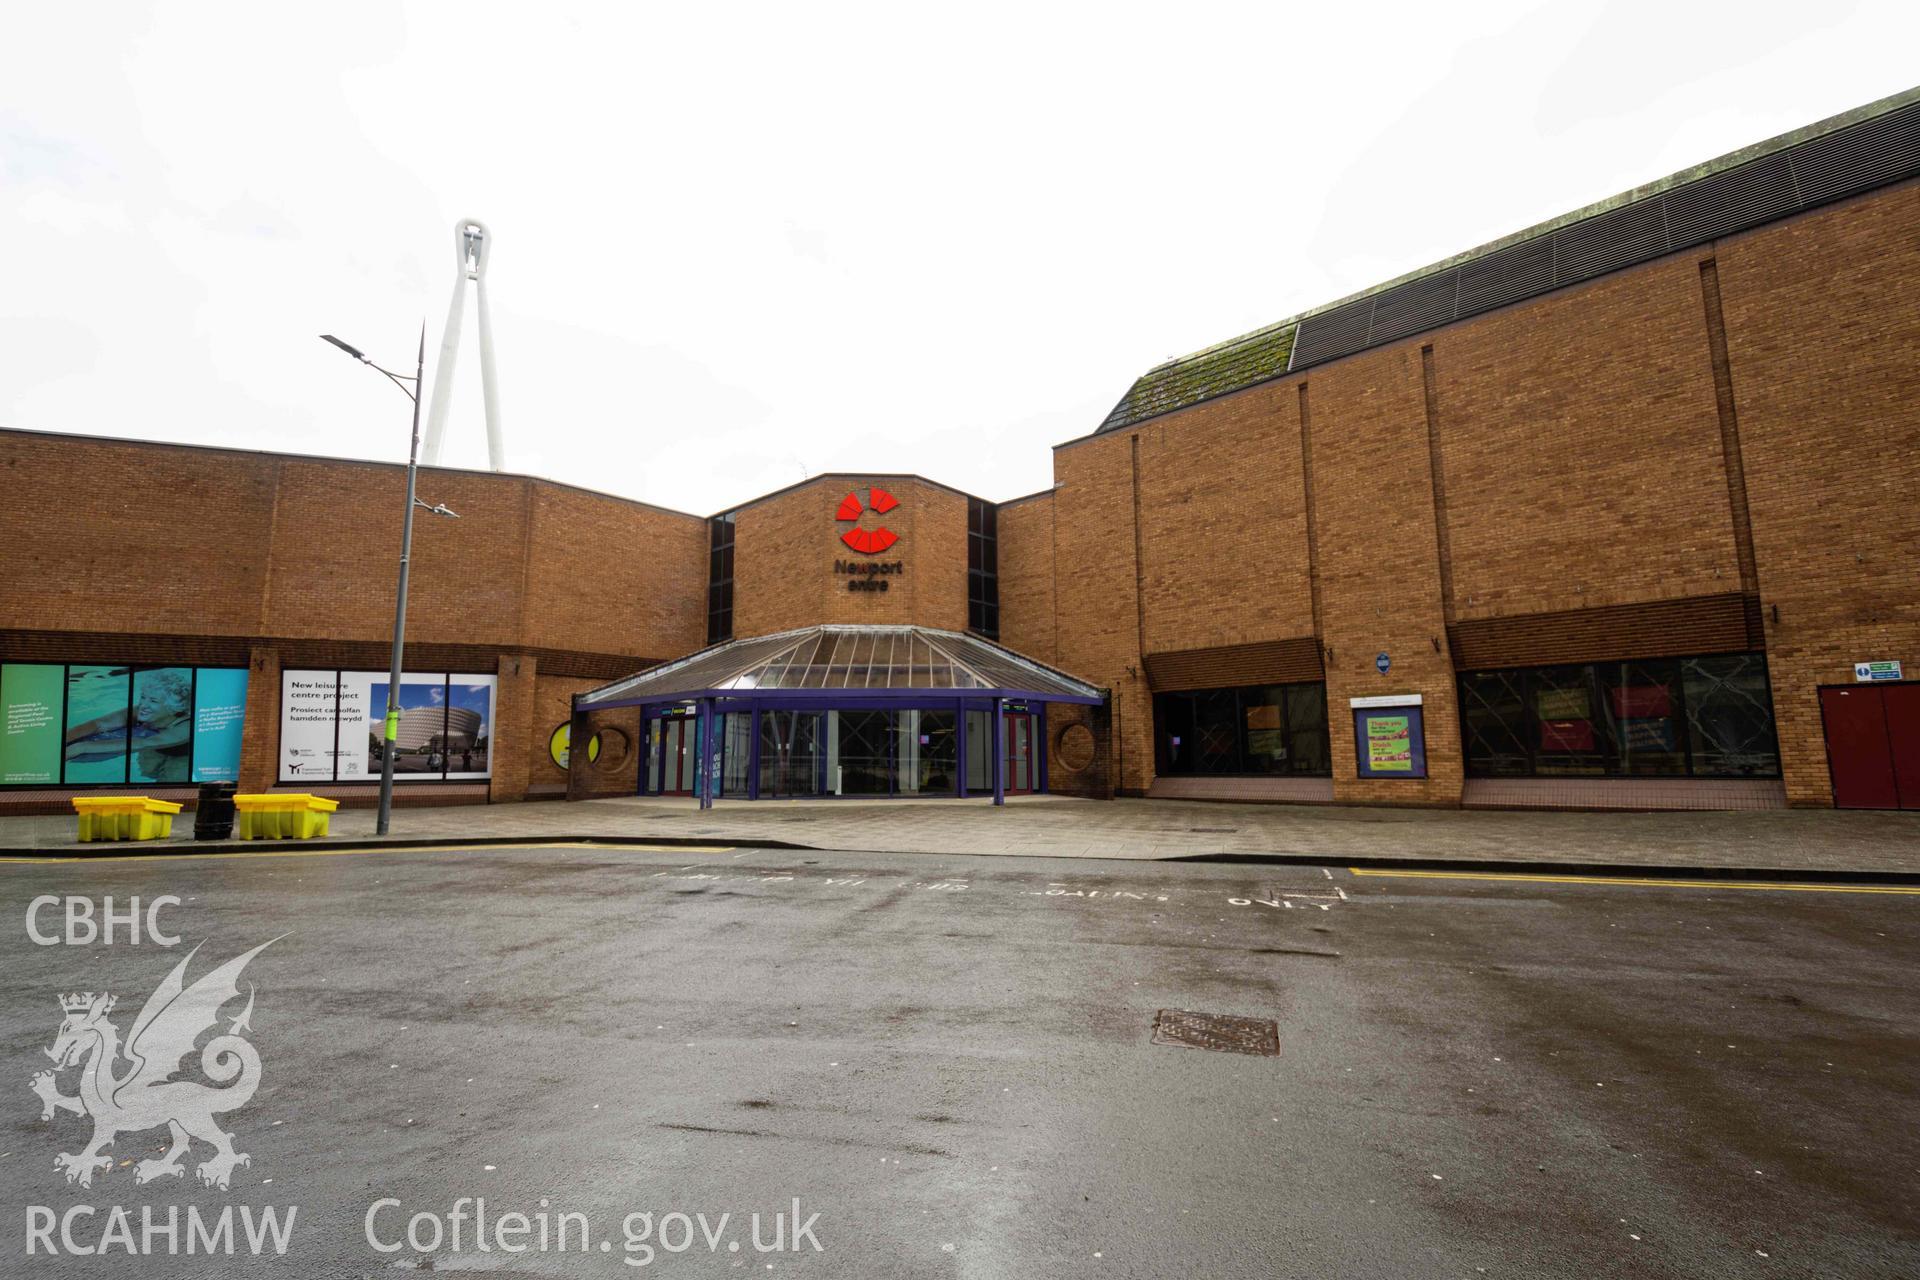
column 1221, row 1032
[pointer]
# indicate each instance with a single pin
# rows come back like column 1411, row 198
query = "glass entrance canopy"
column 839, row 660
column 844, row 710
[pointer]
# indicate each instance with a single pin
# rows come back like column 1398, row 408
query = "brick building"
column 1617, row 511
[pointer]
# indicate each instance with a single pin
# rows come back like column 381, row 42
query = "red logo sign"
column 868, row 542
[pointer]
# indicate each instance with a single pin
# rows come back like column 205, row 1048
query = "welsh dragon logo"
column 144, row 1095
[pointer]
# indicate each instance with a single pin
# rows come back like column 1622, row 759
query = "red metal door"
column 678, row 747
column 1858, row 750
column 1902, row 702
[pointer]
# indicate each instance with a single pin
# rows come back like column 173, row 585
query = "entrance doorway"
column 1023, row 754
column 676, row 751
column 1873, row 745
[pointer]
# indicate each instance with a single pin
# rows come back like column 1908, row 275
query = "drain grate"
column 1221, row 1032
column 1215, row 830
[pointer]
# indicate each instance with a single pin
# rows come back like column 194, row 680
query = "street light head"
column 351, row 350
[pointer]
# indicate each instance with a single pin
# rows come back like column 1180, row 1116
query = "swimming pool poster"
column 159, row 738
column 96, row 737
column 219, row 715
column 30, row 722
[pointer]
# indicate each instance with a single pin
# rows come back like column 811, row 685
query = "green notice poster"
column 30, row 722
column 1390, row 743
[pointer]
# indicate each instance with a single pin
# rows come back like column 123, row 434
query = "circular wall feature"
column 1075, row 748
column 613, row 750
column 559, row 742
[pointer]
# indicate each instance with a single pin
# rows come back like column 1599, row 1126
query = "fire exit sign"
column 1876, row 671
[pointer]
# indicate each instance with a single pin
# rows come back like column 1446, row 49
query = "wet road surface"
column 952, row 1062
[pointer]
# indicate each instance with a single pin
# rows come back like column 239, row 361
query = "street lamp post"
column 391, row 725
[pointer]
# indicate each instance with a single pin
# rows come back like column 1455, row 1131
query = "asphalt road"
column 951, row 1061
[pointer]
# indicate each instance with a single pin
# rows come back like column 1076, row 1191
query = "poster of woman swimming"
column 119, row 724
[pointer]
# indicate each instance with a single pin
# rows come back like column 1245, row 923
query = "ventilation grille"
column 1818, row 171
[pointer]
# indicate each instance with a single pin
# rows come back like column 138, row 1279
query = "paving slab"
column 1790, row 841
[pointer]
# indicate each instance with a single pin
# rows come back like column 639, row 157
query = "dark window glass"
column 736, row 752
column 1567, row 738
column 1308, row 752
column 983, row 579
column 1263, row 716
column 1261, row 729
column 1216, row 733
column 789, row 753
column 720, row 579
column 1656, row 717
column 1730, row 716
column 926, row 749
column 1640, row 718
column 1498, row 726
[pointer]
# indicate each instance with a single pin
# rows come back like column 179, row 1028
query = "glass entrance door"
column 862, row 759
column 789, row 753
column 676, row 753
column 1023, row 757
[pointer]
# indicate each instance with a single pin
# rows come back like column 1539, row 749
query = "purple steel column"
column 999, row 750
column 703, row 746
column 960, row 746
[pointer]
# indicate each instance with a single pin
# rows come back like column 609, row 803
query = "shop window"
column 1307, row 749
column 983, row 568
column 1658, row 717
column 1257, row 729
column 1730, row 716
column 1498, row 727
column 720, row 578
column 1567, row 741
column 1640, row 717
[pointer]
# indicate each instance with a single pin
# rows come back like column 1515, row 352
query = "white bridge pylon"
column 472, row 242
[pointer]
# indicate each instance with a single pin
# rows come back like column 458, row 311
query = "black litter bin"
column 213, row 817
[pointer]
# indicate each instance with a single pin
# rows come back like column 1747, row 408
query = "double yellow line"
column 1521, row 877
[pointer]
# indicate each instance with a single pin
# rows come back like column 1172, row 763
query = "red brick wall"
column 1027, row 577
column 1379, row 569
column 609, row 576
column 1098, row 634
column 785, row 547
column 1582, row 465
column 1581, row 449
column 118, row 537
column 1221, row 497
column 135, row 552
column 1823, row 336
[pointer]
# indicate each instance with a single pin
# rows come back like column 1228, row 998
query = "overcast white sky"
column 737, row 244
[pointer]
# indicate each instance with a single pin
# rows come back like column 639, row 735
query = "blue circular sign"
column 1383, row 664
